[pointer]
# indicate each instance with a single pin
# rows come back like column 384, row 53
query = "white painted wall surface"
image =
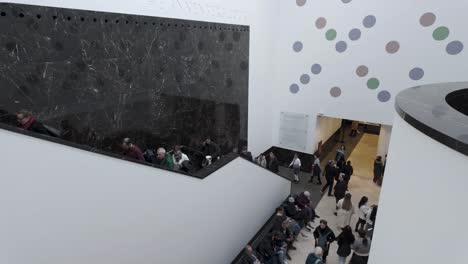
column 326, row 127
column 397, row 20
column 384, row 140
column 64, row 205
column 422, row 214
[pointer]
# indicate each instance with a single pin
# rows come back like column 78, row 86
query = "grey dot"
column 294, row 88
column 305, row 78
column 321, row 22
column 297, row 46
column 346, row 1
column 384, row 96
column 392, row 47
column 335, row 92
column 341, row 46
column 454, row 47
column 369, row 21
column 316, row 68
column 354, row 34
column 362, row 71
column 301, row 2
column 416, row 74
column 427, row 19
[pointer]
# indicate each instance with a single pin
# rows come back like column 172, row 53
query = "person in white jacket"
column 296, row 165
column 345, row 211
column 363, row 209
column 179, row 157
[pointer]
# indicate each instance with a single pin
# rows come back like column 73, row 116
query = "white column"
column 384, row 140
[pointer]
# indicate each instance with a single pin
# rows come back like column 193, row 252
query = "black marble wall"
column 99, row 77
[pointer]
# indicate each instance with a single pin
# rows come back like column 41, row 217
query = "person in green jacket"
column 164, row 159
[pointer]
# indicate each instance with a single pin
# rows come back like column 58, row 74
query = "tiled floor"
column 361, row 184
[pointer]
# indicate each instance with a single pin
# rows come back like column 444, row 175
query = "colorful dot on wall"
column 335, row 92
column 341, row 46
column 305, row 79
column 294, row 88
column 301, row 2
column 362, row 70
column 441, row 33
column 454, row 47
column 384, row 96
column 427, row 20
column 373, row 83
column 316, row 69
column 392, row 47
column 369, row 21
column 321, row 22
column 330, row 34
column 354, row 34
column 416, row 74
column 297, row 46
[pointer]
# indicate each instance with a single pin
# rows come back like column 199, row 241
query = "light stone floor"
column 361, row 184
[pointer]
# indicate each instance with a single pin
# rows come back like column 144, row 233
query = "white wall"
column 64, row 205
column 422, row 214
column 396, row 20
column 325, row 128
column 384, row 140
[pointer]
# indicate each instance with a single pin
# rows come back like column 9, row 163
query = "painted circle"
column 369, row 21
column 427, row 20
column 294, row 88
column 346, row 1
column 305, row 79
column 301, row 2
column 321, row 22
column 454, row 47
column 384, row 96
column 297, row 46
column 316, row 68
column 341, row 46
column 392, row 47
column 416, row 74
column 335, row 92
column 441, row 33
column 362, row 70
column 373, row 83
column 354, row 34
column 330, row 34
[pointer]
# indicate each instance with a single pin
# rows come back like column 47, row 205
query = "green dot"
column 373, row 83
column 330, row 34
column 441, row 33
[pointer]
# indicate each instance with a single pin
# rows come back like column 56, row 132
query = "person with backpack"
column 344, row 240
column 315, row 257
column 324, row 236
column 361, row 248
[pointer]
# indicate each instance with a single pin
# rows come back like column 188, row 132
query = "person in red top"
column 27, row 122
column 131, row 150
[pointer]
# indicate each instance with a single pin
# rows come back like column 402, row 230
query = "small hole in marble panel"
column 2, row 14
column 117, row 21
column 136, row 22
column 94, row 19
column 54, row 17
column 154, row 23
column 21, row 15
column 68, row 18
column 126, row 22
column 145, row 23
column 175, row 25
column 106, row 20
column 82, row 19
column 168, row 24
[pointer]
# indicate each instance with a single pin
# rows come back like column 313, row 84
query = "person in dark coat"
column 210, row 148
column 340, row 188
column 27, row 122
column 378, row 168
column 348, row 170
column 316, row 170
column 303, row 202
column 273, row 163
column 315, row 257
column 246, row 154
column 279, row 218
column 324, row 236
column 345, row 240
column 293, row 211
column 330, row 173
column 251, row 256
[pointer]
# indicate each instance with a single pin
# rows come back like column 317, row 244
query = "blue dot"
column 416, row 74
column 316, row 68
column 294, row 88
column 305, row 78
column 297, row 46
column 354, row 34
column 341, row 46
column 369, row 21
